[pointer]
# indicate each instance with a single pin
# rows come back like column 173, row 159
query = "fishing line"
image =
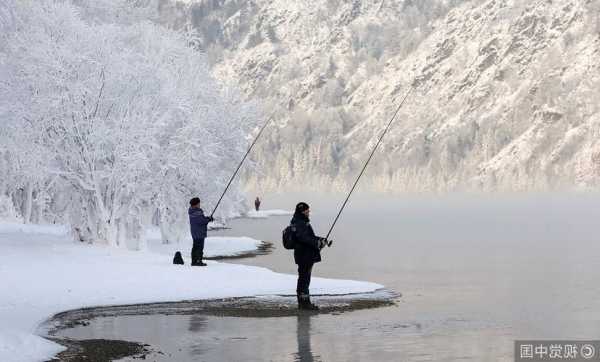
column 367, row 163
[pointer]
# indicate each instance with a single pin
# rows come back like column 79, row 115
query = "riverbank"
column 99, row 349
column 45, row 273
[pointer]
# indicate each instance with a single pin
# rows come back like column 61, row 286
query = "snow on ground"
column 263, row 214
column 216, row 225
column 43, row 272
column 213, row 246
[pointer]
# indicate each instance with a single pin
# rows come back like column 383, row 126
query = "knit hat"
column 301, row 207
column 194, row 201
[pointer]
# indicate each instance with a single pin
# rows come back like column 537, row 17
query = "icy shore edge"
column 45, row 273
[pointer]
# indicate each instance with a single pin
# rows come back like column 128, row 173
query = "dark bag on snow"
column 288, row 237
column 177, row 259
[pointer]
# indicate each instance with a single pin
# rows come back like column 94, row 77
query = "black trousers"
column 197, row 251
column 304, row 271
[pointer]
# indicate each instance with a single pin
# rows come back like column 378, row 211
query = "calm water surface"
column 475, row 273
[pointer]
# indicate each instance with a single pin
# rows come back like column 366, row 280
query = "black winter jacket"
column 306, row 250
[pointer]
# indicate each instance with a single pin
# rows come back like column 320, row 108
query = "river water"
column 475, row 273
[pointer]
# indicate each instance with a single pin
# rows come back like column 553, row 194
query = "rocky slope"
column 505, row 93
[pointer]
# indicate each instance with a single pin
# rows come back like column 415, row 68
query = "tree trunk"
column 163, row 223
column 164, row 233
column 28, row 203
column 122, row 234
column 39, row 203
column 112, row 232
column 107, row 226
column 40, row 206
column 140, row 235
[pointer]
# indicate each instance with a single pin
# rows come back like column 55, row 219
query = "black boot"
column 305, row 304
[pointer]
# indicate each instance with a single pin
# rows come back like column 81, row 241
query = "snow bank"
column 215, row 225
column 263, row 214
column 44, row 273
column 15, row 227
column 214, row 246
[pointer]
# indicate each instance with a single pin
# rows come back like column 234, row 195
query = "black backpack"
column 288, row 237
column 177, row 259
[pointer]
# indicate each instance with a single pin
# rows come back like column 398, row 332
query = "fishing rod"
column 241, row 163
column 367, row 163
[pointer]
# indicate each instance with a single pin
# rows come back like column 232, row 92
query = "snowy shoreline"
column 45, row 273
column 261, row 214
column 239, row 307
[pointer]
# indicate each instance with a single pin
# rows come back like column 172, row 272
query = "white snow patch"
column 213, row 246
column 216, row 225
column 43, row 273
column 263, row 214
column 15, row 227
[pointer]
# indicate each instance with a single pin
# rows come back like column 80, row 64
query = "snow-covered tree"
column 125, row 113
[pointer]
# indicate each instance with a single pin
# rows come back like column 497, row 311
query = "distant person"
column 307, row 252
column 257, row 203
column 198, row 225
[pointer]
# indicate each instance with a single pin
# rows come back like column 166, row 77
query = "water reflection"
column 303, row 335
column 198, row 324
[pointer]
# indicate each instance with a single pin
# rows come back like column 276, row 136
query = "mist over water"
column 475, row 273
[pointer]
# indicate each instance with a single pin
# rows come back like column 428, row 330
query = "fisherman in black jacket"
column 198, row 226
column 307, row 251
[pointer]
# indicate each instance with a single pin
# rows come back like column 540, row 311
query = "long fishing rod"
column 367, row 163
column 241, row 163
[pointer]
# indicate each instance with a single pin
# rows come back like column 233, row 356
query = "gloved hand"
column 322, row 243
column 329, row 242
column 211, row 219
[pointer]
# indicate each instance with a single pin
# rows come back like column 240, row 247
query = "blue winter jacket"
column 198, row 223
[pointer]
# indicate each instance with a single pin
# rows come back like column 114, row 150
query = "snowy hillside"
column 505, row 92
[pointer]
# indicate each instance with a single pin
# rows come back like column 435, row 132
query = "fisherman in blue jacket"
column 198, row 225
